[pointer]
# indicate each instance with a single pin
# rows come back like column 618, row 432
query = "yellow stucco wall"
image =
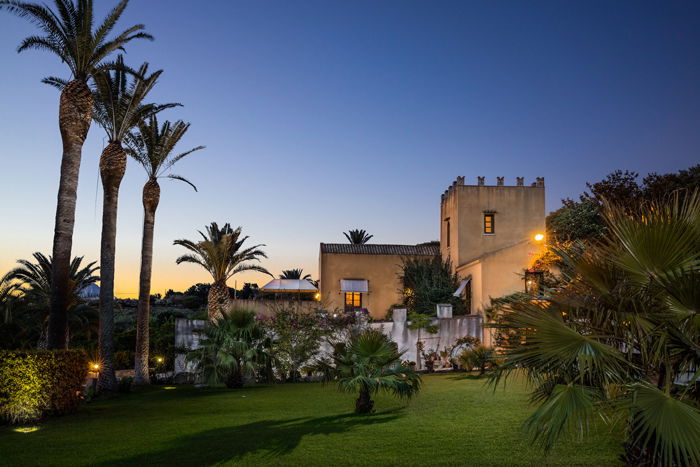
column 381, row 271
column 519, row 214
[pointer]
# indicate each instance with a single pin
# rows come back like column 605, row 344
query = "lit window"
column 489, row 224
column 353, row 301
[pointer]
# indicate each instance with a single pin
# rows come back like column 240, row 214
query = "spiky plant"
column 620, row 336
column 297, row 273
column 70, row 32
column 33, row 279
column 230, row 348
column 357, row 236
column 153, row 147
column 369, row 363
column 221, row 253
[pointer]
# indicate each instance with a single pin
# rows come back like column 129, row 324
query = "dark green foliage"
column 125, row 384
column 575, row 220
column 297, row 273
column 368, row 363
column 357, row 236
column 231, row 348
column 619, row 335
column 297, row 338
column 583, row 219
column 40, row 382
column 481, row 357
column 428, row 281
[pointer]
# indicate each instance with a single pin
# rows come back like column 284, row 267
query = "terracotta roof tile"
column 424, row 249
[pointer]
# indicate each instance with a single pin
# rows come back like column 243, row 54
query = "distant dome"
column 90, row 291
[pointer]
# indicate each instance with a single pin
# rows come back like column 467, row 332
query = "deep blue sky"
column 323, row 116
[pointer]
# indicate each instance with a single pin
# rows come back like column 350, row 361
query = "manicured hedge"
column 40, row 382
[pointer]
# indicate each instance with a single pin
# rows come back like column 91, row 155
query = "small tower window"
column 447, row 231
column 489, row 224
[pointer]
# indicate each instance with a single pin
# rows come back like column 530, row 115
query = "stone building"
column 490, row 233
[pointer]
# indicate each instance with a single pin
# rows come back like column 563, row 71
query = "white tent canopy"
column 289, row 286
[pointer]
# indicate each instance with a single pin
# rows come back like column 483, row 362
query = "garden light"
column 159, row 359
column 26, row 429
column 539, row 237
column 95, row 366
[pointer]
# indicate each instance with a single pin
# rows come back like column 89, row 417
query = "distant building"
column 90, row 292
column 489, row 233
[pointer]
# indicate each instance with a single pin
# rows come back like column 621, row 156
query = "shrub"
column 480, row 357
column 40, row 382
column 125, row 384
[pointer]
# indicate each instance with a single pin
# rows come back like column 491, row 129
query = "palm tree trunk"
column 218, row 300
column 151, row 197
column 364, row 402
column 74, row 116
column 112, row 168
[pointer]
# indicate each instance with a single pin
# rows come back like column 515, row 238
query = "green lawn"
column 454, row 420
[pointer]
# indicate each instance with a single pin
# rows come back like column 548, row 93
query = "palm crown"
column 118, row 103
column 34, row 278
column 153, row 147
column 369, row 363
column 221, row 252
column 357, row 236
column 294, row 274
column 69, row 33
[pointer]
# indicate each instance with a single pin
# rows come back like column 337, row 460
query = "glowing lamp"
column 539, row 237
column 26, row 429
column 317, row 296
column 159, row 359
column 95, row 366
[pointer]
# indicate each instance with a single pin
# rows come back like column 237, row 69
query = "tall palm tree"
column 33, row 279
column 368, row 363
column 118, row 108
column 357, row 236
column 153, row 147
column 68, row 32
column 619, row 336
column 221, row 253
column 294, row 274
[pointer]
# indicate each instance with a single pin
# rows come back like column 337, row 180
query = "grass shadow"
column 269, row 438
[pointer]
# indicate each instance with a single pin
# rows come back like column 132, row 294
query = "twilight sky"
column 323, row 116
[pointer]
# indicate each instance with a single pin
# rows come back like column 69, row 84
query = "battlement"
column 500, row 182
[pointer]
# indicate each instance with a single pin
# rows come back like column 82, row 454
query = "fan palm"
column 153, row 147
column 33, row 279
column 294, row 274
column 623, row 333
column 357, row 236
column 119, row 107
column 230, row 348
column 369, row 363
column 69, row 31
column 221, row 253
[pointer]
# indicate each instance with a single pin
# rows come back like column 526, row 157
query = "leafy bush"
column 40, row 382
column 230, row 348
column 297, row 336
column 480, row 357
column 429, row 281
column 125, row 384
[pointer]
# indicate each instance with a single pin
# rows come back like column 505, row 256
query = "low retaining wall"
column 449, row 330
